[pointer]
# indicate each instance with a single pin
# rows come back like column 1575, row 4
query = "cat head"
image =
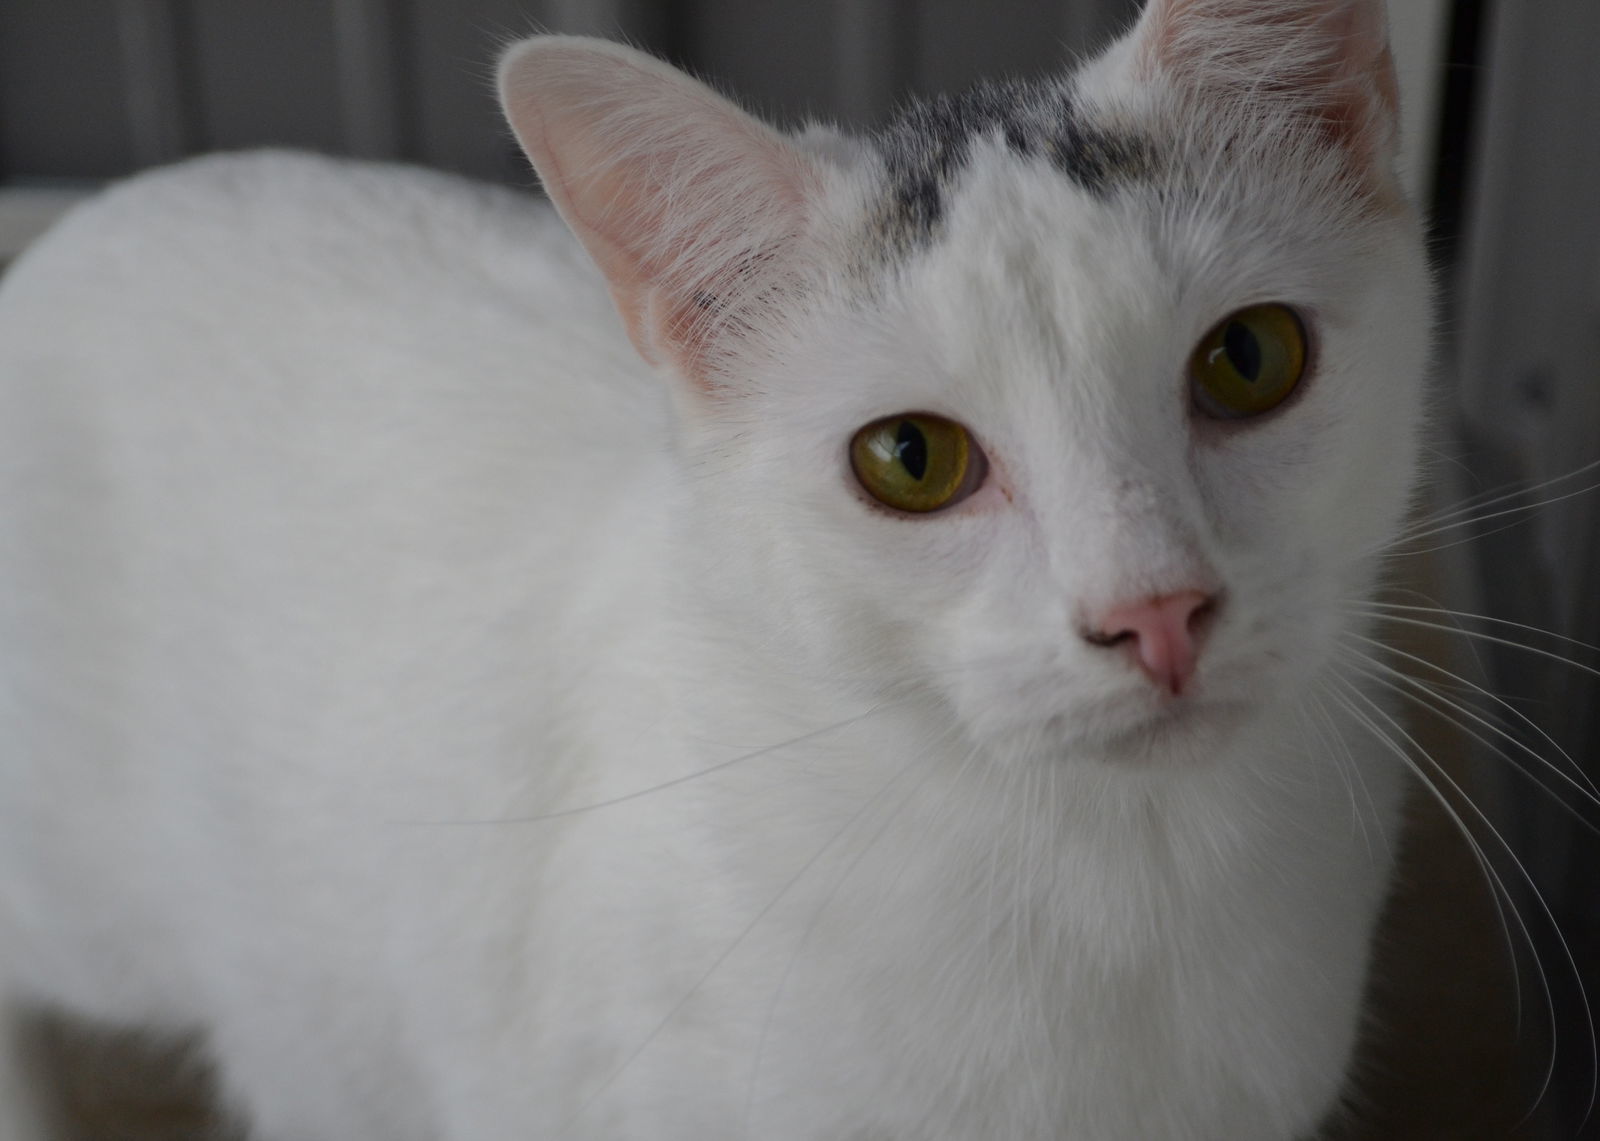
column 1082, row 404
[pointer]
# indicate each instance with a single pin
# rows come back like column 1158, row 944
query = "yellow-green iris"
column 1250, row 363
column 913, row 462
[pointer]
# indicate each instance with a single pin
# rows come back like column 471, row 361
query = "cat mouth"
column 1190, row 730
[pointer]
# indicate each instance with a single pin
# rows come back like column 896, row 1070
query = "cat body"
column 480, row 729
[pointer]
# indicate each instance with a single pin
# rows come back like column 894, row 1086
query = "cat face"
column 1037, row 264
column 1058, row 325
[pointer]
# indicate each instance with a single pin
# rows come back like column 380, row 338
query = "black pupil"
column 1244, row 351
column 911, row 448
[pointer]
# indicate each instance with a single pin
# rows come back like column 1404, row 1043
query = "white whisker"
column 1446, row 711
column 1481, row 636
column 1581, row 783
column 1499, row 893
column 1464, row 514
column 1527, row 877
column 1398, row 550
column 816, row 915
column 737, row 942
column 1434, row 606
column 1389, row 606
column 674, row 782
column 1512, row 489
column 1327, row 733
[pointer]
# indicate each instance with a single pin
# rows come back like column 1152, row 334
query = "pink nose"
column 1162, row 634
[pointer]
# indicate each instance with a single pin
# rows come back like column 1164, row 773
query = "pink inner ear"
column 683, row 201
column 1330, row 56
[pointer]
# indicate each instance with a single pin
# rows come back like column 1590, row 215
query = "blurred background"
column 1502, row 151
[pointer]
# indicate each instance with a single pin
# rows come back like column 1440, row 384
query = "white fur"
column 350, row 555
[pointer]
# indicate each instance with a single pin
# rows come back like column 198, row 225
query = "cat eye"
column 1250, row 363
column 916, row 462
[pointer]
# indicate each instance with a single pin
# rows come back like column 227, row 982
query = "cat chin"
column 1187, row 733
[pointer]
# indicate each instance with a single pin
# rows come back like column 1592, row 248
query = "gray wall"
column 92, row 89
column 1525, row 382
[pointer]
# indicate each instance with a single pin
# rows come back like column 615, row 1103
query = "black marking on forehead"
column 926, row 147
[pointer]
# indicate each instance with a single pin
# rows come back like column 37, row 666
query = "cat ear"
column 689, row 206
column 1329, row 58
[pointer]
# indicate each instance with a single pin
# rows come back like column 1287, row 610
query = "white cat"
column 898, row 710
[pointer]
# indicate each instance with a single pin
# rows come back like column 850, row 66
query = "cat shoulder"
column 277, row 203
